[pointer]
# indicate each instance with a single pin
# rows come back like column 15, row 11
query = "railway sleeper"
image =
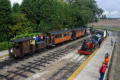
column 17, row 74
column 39, row 64
column 28, row 70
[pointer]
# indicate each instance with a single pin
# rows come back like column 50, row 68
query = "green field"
column 107, row 28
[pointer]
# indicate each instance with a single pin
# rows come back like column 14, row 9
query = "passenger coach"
column 57, row 37
column 78, row 32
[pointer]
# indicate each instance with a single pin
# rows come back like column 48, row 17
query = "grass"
column 107, row 28
column 4, row 45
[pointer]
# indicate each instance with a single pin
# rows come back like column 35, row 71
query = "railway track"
column 22, row 68
column 67, row 70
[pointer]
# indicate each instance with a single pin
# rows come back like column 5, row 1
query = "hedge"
column 4, row 45
column 26, row 35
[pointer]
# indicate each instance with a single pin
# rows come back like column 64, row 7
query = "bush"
column 4, row 45
column 27, row 35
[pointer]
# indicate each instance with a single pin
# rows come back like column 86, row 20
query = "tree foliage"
column 5, row 12
column 20, row 24
column 5, row 19
column 46, row 15
column 16, row 8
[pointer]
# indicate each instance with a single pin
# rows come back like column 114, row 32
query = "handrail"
column 106, row 73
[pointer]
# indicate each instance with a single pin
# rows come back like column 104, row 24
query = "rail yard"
column 23, row 68
column 59, row 40
column 57, row 63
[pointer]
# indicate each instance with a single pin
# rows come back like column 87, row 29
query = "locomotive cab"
column 20, row 47
column 15, row 49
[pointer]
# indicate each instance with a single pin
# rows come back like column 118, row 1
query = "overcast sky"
column 16, row 1
column 111, row 7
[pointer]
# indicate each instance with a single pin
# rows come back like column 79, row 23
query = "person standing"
column 99, row 41
column 40, row 37
column 107, row 58
column 102, row 70
column 36, row 39
column 111, row 42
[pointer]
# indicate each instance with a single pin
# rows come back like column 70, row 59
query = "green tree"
column 104, row 17
column 84, row 11
column 5, row 12
column 20, row 24
column 16, row 8
column 46, row 14
column 59, row 14
column 5, row 19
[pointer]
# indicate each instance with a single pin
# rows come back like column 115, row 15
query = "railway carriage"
column 57, row 37
column 78, row 32
column 26, row 46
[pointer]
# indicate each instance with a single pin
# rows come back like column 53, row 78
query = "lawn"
column 107, row 28
column 4, row 45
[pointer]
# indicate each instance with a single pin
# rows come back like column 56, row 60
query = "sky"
column 111, row 7
column 16, row 1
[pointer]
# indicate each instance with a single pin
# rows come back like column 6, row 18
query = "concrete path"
column 3, row 53
column 91, row 70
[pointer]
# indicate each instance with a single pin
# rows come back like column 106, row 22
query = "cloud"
column 111, row 7
column 110, row 12
column 105, row 12
column 114, row 12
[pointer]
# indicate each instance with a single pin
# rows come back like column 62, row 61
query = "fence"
column 106, row 73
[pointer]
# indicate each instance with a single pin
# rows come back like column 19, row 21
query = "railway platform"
column 89, row 70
